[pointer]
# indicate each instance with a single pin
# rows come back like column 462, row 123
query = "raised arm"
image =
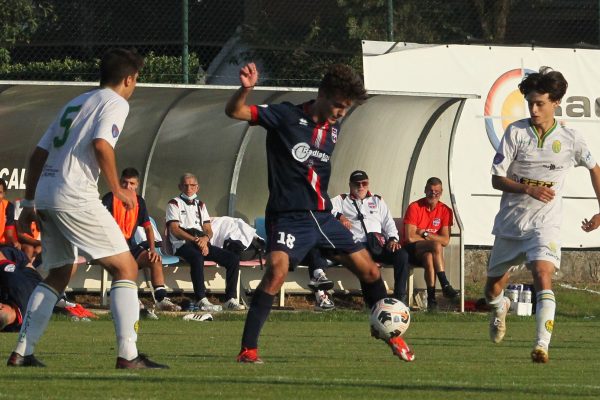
column 236, row 106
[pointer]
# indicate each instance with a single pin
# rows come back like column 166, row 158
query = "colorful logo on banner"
column 504, row 104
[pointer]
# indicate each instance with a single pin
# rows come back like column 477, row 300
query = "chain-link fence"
column 205, row 41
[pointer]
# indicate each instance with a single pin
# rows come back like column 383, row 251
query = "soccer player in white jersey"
column 62, row 178
column 530, row 168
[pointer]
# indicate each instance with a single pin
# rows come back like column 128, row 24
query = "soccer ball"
column 389, row 318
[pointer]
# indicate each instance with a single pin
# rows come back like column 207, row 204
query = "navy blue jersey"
column 298, row 157
column 17, row 282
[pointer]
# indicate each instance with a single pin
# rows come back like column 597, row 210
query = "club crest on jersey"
column 556, row 146
column 498, row 158
column 302, row 151
column 334, row 134
column 9, row 268
column 115, row 130
column 437, row 222
column 303, row 122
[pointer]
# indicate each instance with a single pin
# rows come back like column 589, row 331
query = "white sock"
column 498, row 302
column 39, row 310
column 318, row 272
column 319, row 294
column 544, row 316
column 125, row 311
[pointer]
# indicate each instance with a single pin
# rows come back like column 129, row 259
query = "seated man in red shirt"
column 427, row 225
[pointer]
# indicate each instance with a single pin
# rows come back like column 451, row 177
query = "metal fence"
column 205, row 41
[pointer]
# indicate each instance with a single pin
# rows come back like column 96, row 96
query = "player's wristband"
column 27, row 203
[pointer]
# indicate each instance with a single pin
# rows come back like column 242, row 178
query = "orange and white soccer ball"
column 389, row 317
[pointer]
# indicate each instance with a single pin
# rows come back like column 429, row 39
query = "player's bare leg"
column 277, row 269
column 494, row 294
column 542, row 272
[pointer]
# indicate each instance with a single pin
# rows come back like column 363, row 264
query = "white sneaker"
column 498, row 321
column 205, row 305
column 198, row 317
column 233, row 305
column 320, row 283
column 324, row 303
column 167, row 305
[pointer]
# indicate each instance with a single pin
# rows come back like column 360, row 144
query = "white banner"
column 493, row 73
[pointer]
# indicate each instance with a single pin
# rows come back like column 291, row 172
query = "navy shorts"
column 296, row 233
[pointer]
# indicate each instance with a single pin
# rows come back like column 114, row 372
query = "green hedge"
column 157, row 69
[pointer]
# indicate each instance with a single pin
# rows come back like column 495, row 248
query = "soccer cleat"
column 249, row 356
column 401, row 349
column 539, row 355
column 148, row 313
column 498, row 322
column 198, row 317
column 167, row 305
column 205, row 305
column 320, row 283
column 449, row 292
column 233, row 305
column 324, row 303
column 17, row 360
column 140, row 362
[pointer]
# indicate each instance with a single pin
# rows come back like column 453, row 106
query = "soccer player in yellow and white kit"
column 530, row 168
column 62, row 176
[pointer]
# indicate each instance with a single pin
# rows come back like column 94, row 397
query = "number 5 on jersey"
column 65, row 121
column 286, row 240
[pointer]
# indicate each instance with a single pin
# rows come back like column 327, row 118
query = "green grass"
column 309, row 355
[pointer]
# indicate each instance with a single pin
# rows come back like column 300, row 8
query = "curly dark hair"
column 545, row 81
column 342, row 81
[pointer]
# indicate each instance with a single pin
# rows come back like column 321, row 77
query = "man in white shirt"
column 62, row 177
column 361, row 210
column 530, row 168
column 190, row 233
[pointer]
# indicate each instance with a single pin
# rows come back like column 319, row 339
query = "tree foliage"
column 20, row 19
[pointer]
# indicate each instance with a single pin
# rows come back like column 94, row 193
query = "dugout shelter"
column 399, row 138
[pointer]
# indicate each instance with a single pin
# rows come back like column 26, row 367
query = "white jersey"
column 190, row 214
column 69, row 179
column 525, row 157
column 377, row 215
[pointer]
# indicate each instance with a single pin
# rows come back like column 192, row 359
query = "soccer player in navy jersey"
column 300, row 142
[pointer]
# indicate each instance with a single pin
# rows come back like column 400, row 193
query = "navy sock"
column 431, row 293
column 260, row 307
column 442, row 278
column 160, row 293
column 373, row 292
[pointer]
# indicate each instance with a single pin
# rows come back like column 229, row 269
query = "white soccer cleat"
column 498, row 321
column 539, row 354
column 198, row 317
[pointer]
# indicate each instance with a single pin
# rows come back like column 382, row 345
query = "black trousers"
column 225, row 258
column 399, row 259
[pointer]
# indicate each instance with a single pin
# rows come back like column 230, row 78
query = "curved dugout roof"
column 400, row 139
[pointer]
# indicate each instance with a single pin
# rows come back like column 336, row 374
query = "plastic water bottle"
column 512, row 293
column 525, row 294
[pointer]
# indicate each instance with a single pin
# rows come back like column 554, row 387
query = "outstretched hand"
column 249, row 75
column 590, row 225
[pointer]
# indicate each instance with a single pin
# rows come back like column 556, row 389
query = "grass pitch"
column 309, row 356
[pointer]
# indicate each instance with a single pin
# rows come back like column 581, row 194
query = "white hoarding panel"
column 493, row 73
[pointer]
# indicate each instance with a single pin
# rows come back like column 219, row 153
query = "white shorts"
column 508, row 254
column 94, row 232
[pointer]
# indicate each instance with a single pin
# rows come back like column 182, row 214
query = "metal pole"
column 390, row 20
column 185, row 55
